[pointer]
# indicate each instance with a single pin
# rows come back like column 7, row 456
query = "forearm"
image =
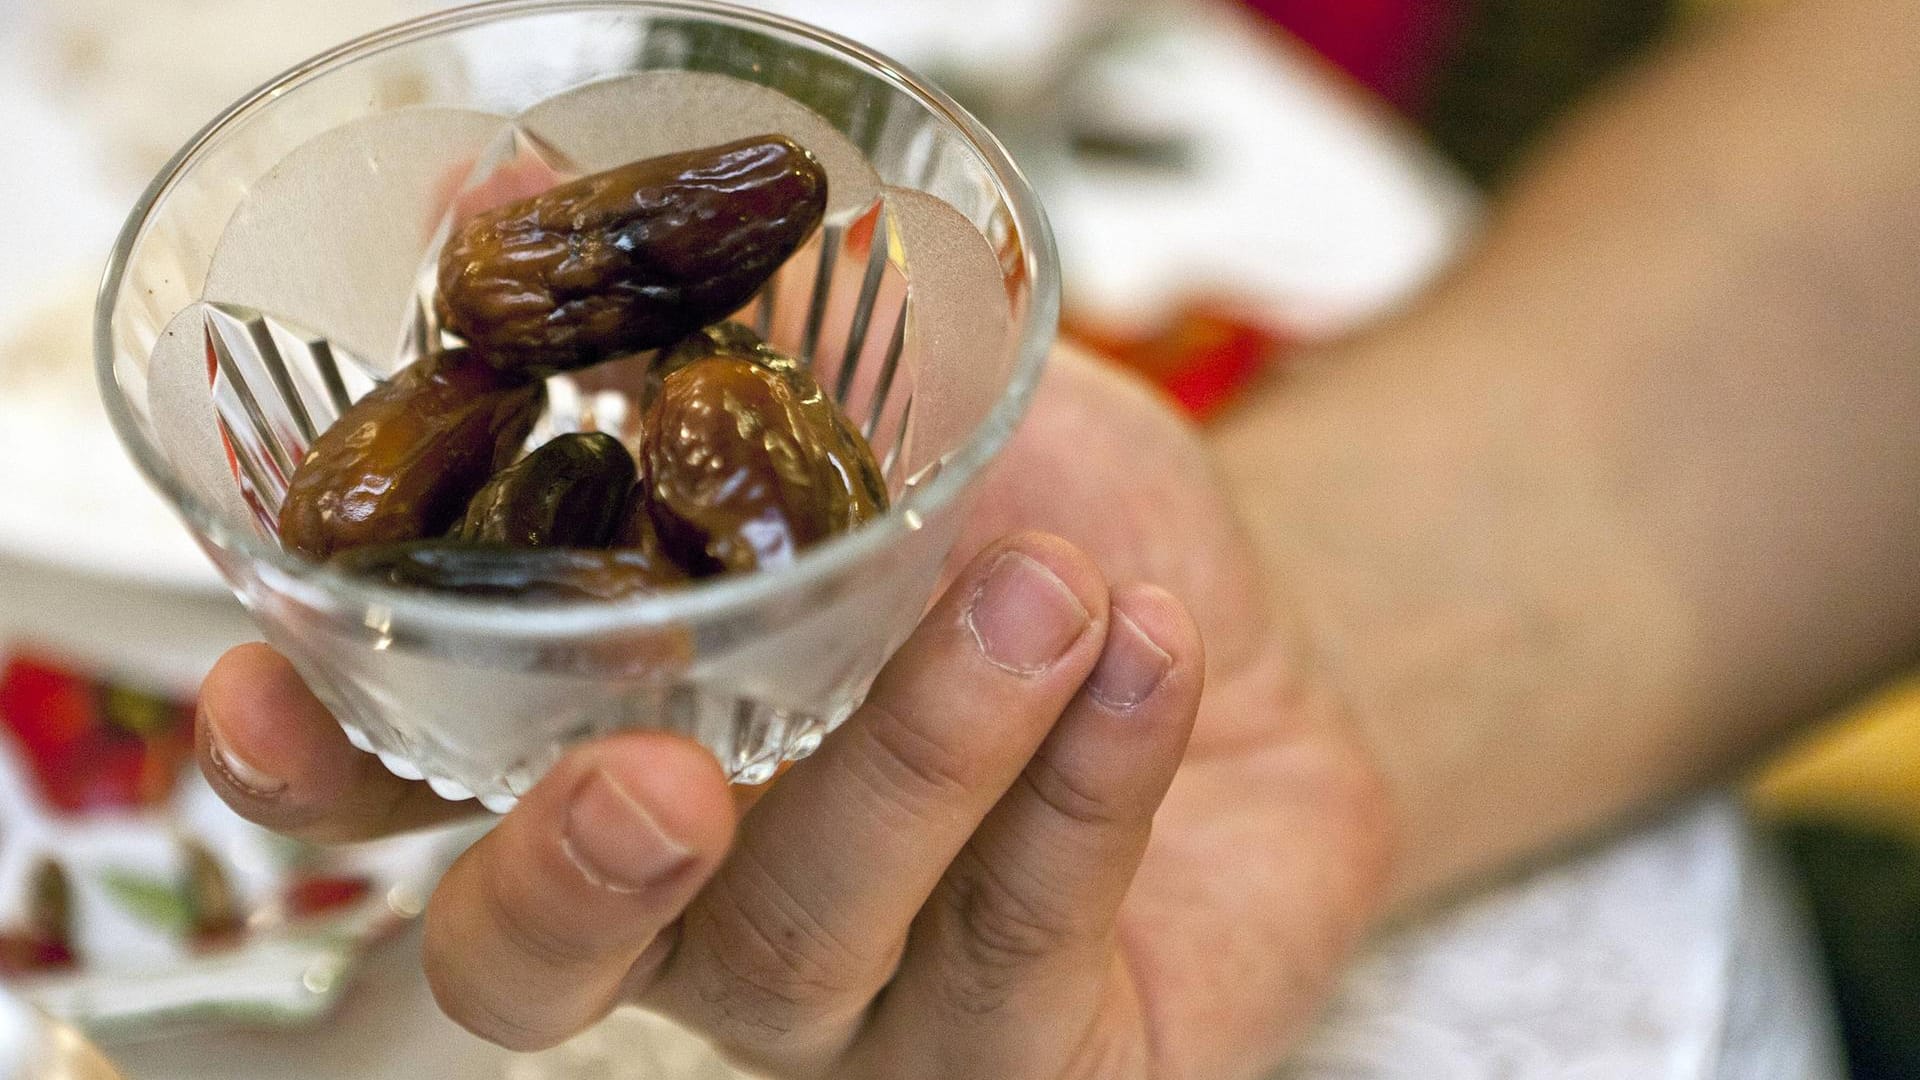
column 1640, row 486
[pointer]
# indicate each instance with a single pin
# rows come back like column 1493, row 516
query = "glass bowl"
column 479, row 696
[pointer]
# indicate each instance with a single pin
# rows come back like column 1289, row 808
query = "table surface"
column 1672, row 952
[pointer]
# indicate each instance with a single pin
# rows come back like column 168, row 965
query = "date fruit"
column 498, row 570
column 639, row 533
column 403, row 462
column 629, row 259
column 867, row 488
column 572, row 492
column 748, row 462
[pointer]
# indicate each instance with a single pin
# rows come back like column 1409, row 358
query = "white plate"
column 68, row 494
column 95, row 94
column 1301, row 196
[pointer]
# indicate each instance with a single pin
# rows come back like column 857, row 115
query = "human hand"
column 948, row 887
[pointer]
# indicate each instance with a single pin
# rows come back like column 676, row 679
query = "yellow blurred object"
column 1866, row 767
column 72, row 1057
column 35, row 1046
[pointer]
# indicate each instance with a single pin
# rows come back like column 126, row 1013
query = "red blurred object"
column 859, row 235
column 312, row 896
column 1203, row 357
column 1394, row 47
column 28, row 954
column 93, row 745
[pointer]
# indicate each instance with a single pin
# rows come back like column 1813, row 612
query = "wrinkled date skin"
column 404, row 461
column 746, row 465
column 572, row 492
column 867, row 488
column 500, row 570
column 629, row 259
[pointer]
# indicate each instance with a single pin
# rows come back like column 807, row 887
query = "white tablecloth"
column 1671, row 953
column 1674, row 952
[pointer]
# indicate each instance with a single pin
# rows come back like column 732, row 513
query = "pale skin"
column 1626, row 498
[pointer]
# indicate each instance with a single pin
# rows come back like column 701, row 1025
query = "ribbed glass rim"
column 320, row 586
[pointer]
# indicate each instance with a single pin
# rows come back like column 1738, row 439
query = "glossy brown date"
column 639, row 533
column 853, row 458
column 748, row 463
column 571, row 492
column 403, row 461
column 628, row 259
column 499, row 570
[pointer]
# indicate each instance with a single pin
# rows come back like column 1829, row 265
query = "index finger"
column 279, row 759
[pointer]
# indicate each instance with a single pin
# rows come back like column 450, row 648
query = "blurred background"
column 1232, row 181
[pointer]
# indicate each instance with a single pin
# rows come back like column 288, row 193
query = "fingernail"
column 237, row 770
column 615, row 842
column 1131, row 668
column 1023, row 616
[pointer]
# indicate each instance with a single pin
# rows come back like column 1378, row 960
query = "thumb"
column 535, row 930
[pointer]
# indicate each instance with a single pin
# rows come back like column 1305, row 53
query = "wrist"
column 1462, row 590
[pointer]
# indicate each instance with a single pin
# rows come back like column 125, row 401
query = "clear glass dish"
column 480, row 696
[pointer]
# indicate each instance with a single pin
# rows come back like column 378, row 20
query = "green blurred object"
column 1518, row 64
column 1863, row 885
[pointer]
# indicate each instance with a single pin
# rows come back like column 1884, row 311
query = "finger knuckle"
column 912, row 763
column 997, row 933
column 1070, row 797
column 773, row 966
